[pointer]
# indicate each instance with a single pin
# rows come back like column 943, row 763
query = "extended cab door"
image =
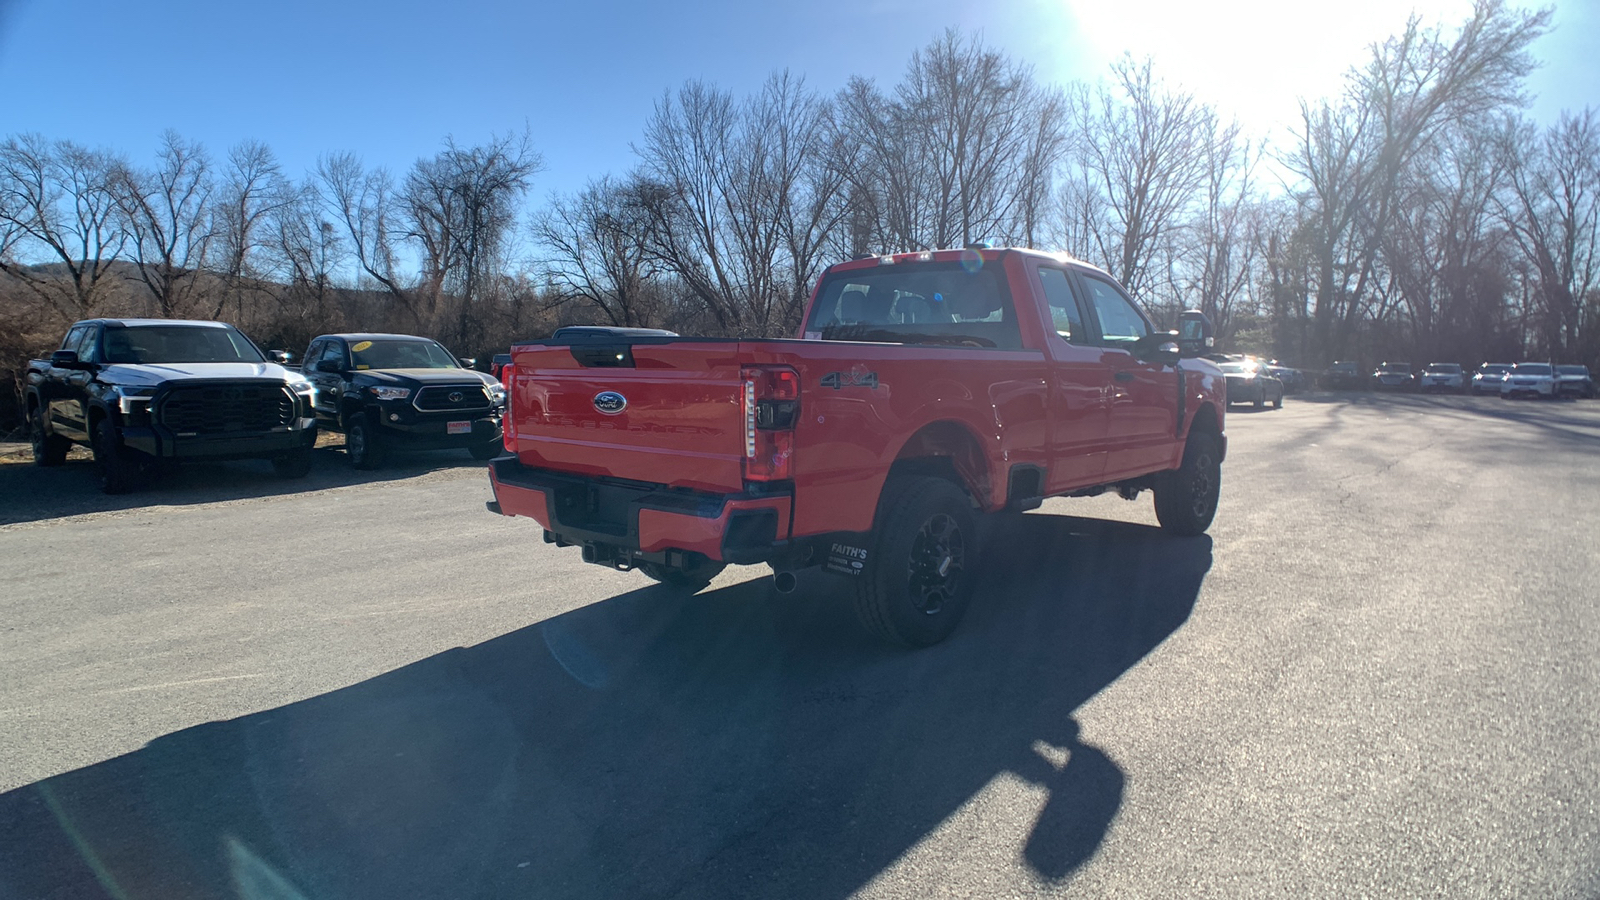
column 329, row 385
column 1142, row 396
column 68, row 402
column 1079, row 418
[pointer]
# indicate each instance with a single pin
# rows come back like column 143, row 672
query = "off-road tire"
column 921, row 564
column 294, row 464
column 692, row 579
column 119, row 471
column 1186, row 498
column 48, row 449
column 362, row 445
column 1277, row 402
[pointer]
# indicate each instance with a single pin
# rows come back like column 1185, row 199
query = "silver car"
column 1534, row 379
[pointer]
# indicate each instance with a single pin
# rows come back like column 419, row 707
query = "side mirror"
column 469, row 362
column 281, row 357
column 67, row 359
column 1158, row 347
column 1196, row 336
column 331, row 366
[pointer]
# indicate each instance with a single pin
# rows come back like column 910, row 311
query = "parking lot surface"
column 1379, row 675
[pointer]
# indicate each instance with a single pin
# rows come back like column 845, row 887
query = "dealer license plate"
column 458, row 428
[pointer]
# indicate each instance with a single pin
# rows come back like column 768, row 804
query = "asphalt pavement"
column 1378, row 676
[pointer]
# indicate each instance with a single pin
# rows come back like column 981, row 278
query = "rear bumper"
column 644, row 520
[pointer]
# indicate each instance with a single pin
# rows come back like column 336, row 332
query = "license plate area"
column 458, row 428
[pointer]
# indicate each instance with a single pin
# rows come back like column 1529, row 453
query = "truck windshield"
column 916, row 303
column 400, row 354
column 177, row 344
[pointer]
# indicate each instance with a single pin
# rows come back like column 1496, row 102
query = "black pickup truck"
column 392, row 391
column 141, row 392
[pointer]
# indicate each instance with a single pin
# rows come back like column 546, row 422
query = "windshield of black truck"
column 919, row 303
column 177, row 344
column 392, row 354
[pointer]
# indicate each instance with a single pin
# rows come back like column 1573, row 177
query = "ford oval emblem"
column 610, row 402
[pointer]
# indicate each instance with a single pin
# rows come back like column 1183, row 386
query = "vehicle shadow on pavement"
column 733, row 744
column 29, row 493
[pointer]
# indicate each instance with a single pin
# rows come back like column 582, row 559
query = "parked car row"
column 1538, row 379
column 144, row 394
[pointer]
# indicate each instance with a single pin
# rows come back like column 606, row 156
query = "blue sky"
column 390, row 80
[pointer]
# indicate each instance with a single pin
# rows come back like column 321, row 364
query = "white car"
column 1488, row 378
column 1533, row 378
column 1442, row 377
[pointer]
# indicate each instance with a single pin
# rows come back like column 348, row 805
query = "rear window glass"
column 919, row 303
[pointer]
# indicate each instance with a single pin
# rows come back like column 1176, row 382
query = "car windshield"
column 917, row 303
column 395, row 353
column 1443, row 369
column 1573, row 370
column 1236, row 368
column 1532, row 369
column 1494, row 370
column 177, row 344
column 1396, row 368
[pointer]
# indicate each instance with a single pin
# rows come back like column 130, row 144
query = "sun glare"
column 1251, row 58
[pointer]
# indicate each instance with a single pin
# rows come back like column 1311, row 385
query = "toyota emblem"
column 457, row 396
column 610, row 402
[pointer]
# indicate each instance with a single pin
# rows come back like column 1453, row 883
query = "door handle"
column 1123, row 375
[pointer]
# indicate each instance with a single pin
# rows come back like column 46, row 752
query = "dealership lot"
column 1379, row 675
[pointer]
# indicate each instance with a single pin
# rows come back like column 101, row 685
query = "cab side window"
column 1120, row 321
column 88, row 344
column 74, row 337
column 308, row 360
column 1064, row 312
column 335, row 352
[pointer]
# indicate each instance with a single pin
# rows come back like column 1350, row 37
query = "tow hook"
column 784, row 582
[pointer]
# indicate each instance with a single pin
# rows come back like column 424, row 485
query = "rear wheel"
column 921, row 563
column 361, row 443
column 689, row 578
column 1186, row 499
column 119, row 471
column 48, row 449
column 1277, row 402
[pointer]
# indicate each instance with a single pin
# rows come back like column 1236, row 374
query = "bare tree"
column 1354, row 152
column 460, row 207
column 360, row 203
column 252, row 189
column 57, row 205
column 1553, row 211
column 1146, row 155
column 595, row 253
column 166, row 211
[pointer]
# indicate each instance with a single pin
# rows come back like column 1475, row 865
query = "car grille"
column 452, row 397
column 227, row 408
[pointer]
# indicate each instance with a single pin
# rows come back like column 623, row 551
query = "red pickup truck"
column 924, row 389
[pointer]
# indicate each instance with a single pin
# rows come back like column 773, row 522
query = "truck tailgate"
column 675, row 417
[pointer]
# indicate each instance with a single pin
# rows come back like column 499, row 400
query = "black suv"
column 392, row 391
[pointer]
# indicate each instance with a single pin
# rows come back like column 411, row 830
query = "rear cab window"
column 917, row 303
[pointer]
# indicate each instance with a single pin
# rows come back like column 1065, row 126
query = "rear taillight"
column 771, row 408
column 508, row 419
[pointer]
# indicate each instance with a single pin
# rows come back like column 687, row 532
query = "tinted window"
column 177, row 344
column 309, row 360
column 334, row 351
column 1064, row 314
column 390, row 353
column 918, row 303
column 1120, row 323
column 74, row 337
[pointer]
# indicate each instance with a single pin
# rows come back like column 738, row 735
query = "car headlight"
column 390, row 393
column 302, row 387
column 497, row 393
column 130, row 397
